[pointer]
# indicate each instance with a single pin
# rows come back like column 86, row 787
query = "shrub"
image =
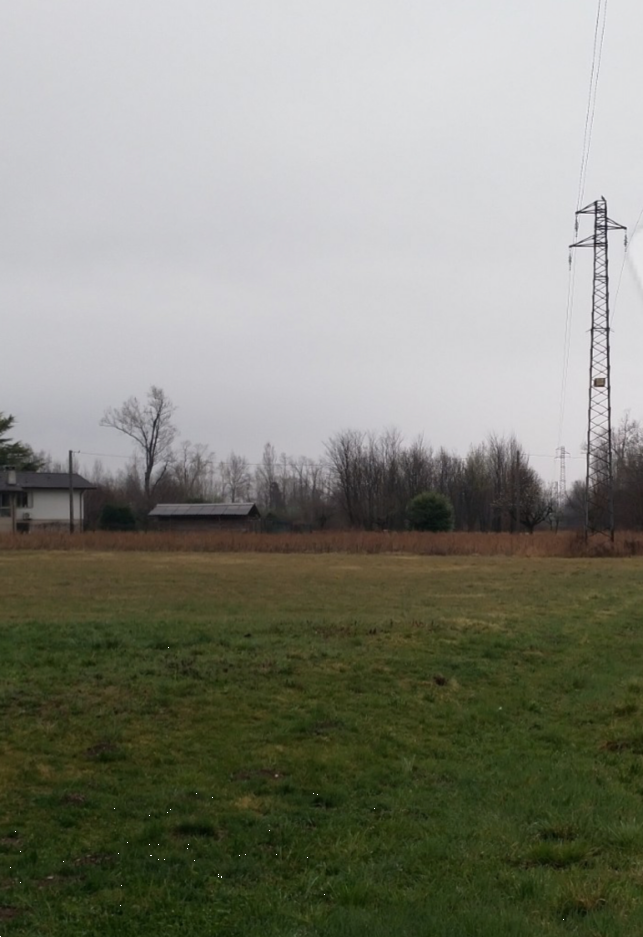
column 430, row 511
column 116, row 517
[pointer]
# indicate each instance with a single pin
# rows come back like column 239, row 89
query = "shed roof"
column 28, row 481
column 245, row 509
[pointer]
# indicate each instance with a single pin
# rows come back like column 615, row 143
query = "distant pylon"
column 599, row 499
column 561, row 454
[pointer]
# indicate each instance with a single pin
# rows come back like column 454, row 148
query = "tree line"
column 364, row 480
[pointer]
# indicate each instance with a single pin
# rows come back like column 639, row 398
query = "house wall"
column 47, row 508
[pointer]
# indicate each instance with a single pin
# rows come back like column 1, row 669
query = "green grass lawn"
column 343, row 746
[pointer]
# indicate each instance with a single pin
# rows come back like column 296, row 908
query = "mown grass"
column 333, row 745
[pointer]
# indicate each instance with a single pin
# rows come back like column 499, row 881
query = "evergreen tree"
column 15, row 454
column 430, row 511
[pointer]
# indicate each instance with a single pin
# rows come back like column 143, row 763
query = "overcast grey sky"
column 303, row 217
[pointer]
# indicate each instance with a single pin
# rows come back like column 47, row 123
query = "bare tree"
column 192, row 472
column 311, row 491
column 235, row 478
column 266, row 483
column 346, row 460
column 533, row 503
column 150, row 426
column 476, row 486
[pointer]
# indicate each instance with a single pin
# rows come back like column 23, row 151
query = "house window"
column 21, row 499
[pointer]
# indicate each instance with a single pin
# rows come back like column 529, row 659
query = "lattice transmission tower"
column 599, row 499
column 562, row 453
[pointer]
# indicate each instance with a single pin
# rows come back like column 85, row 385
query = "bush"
column 117, row 517
column 430, row 511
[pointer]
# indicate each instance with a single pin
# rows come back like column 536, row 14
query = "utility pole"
column 71, row 491
column 599, row 488
column 517, row 490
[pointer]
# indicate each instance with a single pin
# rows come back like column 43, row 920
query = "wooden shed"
column 188, row 517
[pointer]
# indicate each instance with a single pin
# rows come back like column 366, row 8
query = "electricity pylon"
column 562, row 453
column 599, row 499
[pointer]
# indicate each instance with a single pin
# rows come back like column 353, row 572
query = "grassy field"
column 333, row 745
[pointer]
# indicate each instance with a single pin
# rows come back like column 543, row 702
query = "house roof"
column 30, row 481
column 245, row 509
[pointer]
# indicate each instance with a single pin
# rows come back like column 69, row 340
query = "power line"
column 634, row 229
column 278, row 463
column 597, row 55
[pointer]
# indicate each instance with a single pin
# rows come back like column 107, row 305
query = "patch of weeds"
column 563, row 832
column 185, row 667
column 106, row 644
column 353, row 894
column 160, row 644
column 558, row 854
column 578, row 683
column 325, row 726
column 328, row 801
column 21, row 701
column 580, row 902
column 626, row 709
column 291, row 684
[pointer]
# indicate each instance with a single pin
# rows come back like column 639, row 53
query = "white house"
column 38, row 500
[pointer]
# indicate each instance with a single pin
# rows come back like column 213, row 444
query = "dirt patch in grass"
column 7, row 912
column 50, row 880
column 104, row 751
column 249, row 802
column 73, row 799
column 96, row 858
column 11, row 840
column 634, row 745
column 251, row 774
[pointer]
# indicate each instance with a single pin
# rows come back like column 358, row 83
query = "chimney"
column 11, row 476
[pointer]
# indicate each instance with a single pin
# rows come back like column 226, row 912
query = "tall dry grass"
column 564, row 544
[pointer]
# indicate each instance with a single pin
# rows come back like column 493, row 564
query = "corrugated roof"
column 27, row 481
column 204, row 510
